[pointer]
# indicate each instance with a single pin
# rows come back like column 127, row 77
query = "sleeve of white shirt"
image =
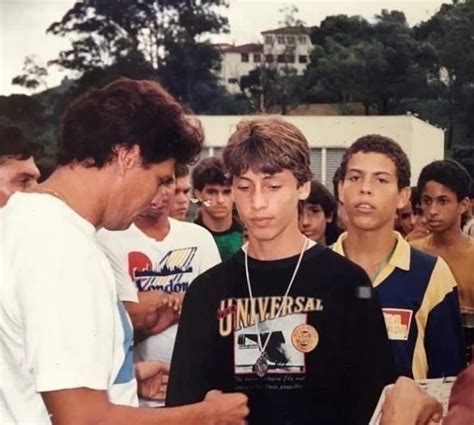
column 65, row 293
column 210, row 254
column 126, row 288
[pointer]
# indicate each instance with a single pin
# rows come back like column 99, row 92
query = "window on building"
column 302, row 39
column 233, row 81
column 281, row 59
column 244, row 57
column 257, row 57
column 303, row 59
column 291, row 40
column 280, row 39
column 290, row 58
column 269, row 58
column 268, row 39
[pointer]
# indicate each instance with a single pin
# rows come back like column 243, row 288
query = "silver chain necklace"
column 261, row 365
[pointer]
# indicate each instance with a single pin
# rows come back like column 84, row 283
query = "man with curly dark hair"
column 417, row 291
column 66, row 340
column 18, row 170
column 444, row 187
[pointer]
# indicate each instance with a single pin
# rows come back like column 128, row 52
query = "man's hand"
column 152, row 379
column 161, row 316
column 226, row 409
column 154, row 312
column 407, row 404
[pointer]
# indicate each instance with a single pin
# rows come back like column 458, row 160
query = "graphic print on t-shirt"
column 282, row 355
column 171, row 274
column 281, row 319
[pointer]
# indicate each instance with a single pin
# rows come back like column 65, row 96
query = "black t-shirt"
column 328, row 352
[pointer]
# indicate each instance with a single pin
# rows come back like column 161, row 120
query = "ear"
column 340, row 191
column 304, row 190
column 404, row 197
column 330, row 218
column 128, row 158
column 198, row 195
column 465, row 205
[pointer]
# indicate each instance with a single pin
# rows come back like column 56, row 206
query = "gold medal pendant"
column 261, row 365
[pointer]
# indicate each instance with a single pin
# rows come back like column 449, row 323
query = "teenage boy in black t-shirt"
column 286, row 321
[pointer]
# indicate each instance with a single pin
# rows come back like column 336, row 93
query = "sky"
column 23, row 25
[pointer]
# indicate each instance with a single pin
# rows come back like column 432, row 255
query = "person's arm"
column 154, row 312
column 407, row 404
column 444, row 338
column 82, row 406
column 369, row 356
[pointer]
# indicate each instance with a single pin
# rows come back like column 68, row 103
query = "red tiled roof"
column 244, row 48
column 289, row 30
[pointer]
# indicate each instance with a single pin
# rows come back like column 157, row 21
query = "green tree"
column 451, row 31
column 376, row 64
column 165, row 40
column 34, row 75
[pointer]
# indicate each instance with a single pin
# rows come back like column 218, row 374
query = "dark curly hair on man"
column 375, row 143
column 126, row 113
column 210, row 170
column 14, row 144
column 449, row 173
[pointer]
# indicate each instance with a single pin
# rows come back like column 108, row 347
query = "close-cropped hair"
column 210, row 171
column 126, row 113
column 269, row 145
column 375, row 143
column 14, row 144
column 320, row 195
column 181, row 170
column 449, row 173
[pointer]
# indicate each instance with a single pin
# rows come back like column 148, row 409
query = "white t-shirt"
column 62, row 325
column 145, row 264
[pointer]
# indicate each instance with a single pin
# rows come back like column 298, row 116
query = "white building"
column 287, row 47
column 329, row 136
column 238, row 61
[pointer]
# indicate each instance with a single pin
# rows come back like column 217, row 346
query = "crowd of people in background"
column 138, row 286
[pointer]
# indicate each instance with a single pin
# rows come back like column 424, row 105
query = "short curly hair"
column 449, row 173
column 210, row 170
column 386, row 146
column 269, row 145
column 125, row 113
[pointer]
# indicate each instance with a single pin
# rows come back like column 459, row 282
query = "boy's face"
column 406, row 219
column 268, row 203
column 370, row 191
column 217, row 200
column 313, row 222
column 17, row 175
column 179, row 205
column 441, row 208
